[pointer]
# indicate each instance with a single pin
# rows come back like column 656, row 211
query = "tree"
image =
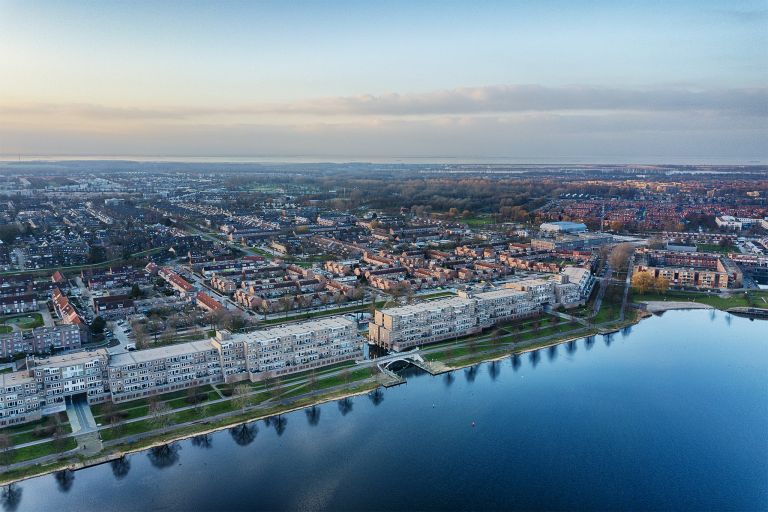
column 241, row 397
column 6, row 453
column 158, row 412
column 96, row 254
column 642, row 282
column 661, row 284
column 97, row 325
column 619, row 256
column 135, row 291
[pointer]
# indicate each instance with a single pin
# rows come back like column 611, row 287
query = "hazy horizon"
column 556, row 80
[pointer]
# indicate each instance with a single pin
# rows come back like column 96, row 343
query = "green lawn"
column 715, row 248
column 42, row 449
column 755, row 298
column 24, row 321
column 4, row 329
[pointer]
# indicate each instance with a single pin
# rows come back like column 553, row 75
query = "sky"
column 602, row 80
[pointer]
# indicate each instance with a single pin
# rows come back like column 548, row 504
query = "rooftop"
column 153, row 354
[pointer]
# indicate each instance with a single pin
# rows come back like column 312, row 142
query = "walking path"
column 658, row 306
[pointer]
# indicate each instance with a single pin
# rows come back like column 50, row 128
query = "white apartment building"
column 43, row 388
column 428, row 322
column 290, row 348
column 160, row 370
column 71, row 374
column 581, row 277
column 19, row 400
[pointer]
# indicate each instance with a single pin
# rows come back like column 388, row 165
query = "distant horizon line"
column 369, row 159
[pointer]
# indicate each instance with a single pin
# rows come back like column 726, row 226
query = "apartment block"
column 160, row 370
column 293, row 348
column 408, row 326
column 78, row 373
column 690, row 269
column 19, row 399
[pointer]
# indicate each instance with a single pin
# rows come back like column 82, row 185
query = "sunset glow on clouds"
column 494, row 79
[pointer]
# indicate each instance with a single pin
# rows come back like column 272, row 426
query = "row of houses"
column 41, row 340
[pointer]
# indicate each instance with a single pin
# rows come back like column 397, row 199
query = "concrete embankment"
column 659, row 306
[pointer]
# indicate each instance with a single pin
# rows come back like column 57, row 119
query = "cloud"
column 488, row 100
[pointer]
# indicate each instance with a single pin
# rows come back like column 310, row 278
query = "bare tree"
column 619, row 256
column 241, row 396
column 6, row 451
column 159, row 414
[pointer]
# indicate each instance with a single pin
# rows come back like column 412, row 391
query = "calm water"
column 670, row 415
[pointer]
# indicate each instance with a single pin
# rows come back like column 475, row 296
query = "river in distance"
column 670, row 414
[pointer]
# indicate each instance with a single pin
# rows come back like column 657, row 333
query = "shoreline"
column 659, row 306
column 119, row 453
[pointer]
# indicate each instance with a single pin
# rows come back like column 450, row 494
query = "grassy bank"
column 751, row 298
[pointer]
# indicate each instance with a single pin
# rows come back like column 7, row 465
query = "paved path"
column 657, row 306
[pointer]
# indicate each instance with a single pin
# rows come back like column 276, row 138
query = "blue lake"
column 669, row 414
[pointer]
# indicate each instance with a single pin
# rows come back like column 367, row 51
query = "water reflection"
column 120, row 467
column 712, row 315
column 494, row 369
column 164, row 456
column 244, row 434
column 65, row 479
column 516, row 362
column 728, row 319
column 626, row 331
column 10, row 497
column 470, row 373
column 571, row 346
column 313, row 415
column 534, row 357
column 203, row 441
column 552, row 352
column 448, row 379
column 280, row 423
column 376, row 396
column 345, row 406
column 608, row 339
column 589, row 342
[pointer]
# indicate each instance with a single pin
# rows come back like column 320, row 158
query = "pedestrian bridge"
column 413, row 357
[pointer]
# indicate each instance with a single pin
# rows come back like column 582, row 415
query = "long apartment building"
column 689, row 269
column 95, row 375
column 290, row 348
column 159, row 370
column 403, row 327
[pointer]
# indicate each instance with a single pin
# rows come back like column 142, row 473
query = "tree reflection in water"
column 552, row 352
column 280, row 423
column 313, row 415
column 449, row 378
column 164, row 456
column 515, row 362
column 571, row 346
column 376, row 396
column 203, row 441
column 470, row 373
column 345, row 406
column 65, row 479
column 535, row 357
column 120, row 467
column 244, row 434
column 494, row 369
column 10, row 497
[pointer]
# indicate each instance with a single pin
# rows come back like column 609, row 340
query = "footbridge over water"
column 412, row 356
